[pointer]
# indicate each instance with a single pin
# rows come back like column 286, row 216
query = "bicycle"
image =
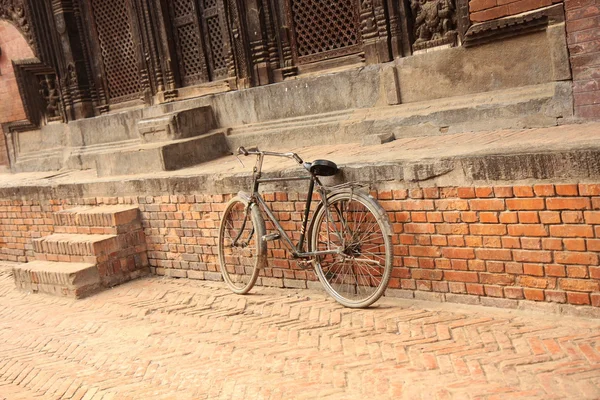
column 349, row 237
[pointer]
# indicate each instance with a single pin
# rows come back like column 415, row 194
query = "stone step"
column 58, row 278
column 517, row 108
column 101, row 220
column 74, row 247
column 163, row 156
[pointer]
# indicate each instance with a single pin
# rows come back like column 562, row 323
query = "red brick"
column 574, row 244
column 488, row 217
column 533, row 269
column 576, row 258
column 476, row 265
column 592, row 217
column 509, row 217
column 487, row 204
column 475, row 289
column 543, row 190
column 419, row 228
column 418, row 216
column 418, row 205
column 484, row 192
column 415, row 193
column 469, row 216
column 555, row 270
column 493, row 291
column 494, row 254
column 440, row 286
column 496, row 279
column 400, row 194
column 556, row 296
column 525, row 204
column 451, row 204
column 480, row 229
column 532, row 256
column 577, row 271
column 572, row 217
column 595, row 299
column 439, row 240
column 478, row 5
column 452, row 229
column 458, row 252
column 428, row 274
column 424, row 251
column 531, row 282
column 578, row 298
column 579, row 285
column 589, row 189
column 503, row 191
column 457, row 287
column 531, row 243
column 511, row 243
column 494, row 266
column 448, row 192
column 474, row 241
column 534, row 294
column 456, row 241
column 461, row 276
column 514, row 293
column 451, row 216
column 527, row 230
column 529, row 217
column 571, row 231
column 567, row 190
column 466, row 192
column 492, row 241
column 431, row 193
column 593, row 244
column 550, row 217
column 523, row 191
column 575, row 203
column 552, row 244
column 435, row 217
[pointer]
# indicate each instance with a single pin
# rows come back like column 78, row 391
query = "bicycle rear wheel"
column 357, row 225
column 242, row 252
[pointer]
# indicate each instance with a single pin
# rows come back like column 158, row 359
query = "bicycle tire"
column 358, row 276
column 240, row 265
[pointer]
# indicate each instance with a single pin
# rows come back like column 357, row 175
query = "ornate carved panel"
column 217, row 37
column 188, row 42
column 116, row 40
column 434, row 23
column 324, row 29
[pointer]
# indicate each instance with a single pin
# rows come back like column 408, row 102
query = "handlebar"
column 255, row 151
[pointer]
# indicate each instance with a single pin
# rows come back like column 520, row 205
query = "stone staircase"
column 93, row 248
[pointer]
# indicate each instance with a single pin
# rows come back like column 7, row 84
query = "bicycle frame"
column 256, row 198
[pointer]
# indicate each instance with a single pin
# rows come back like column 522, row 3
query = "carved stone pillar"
column 374, row 30
column 74, row 80
column 435, row 23
column 259, row 54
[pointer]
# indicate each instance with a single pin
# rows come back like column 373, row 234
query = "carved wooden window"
column 217, row 35
column 187, row 34
column 324, row 29
column 118, row 52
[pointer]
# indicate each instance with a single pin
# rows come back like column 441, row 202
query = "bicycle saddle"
column 323, row 168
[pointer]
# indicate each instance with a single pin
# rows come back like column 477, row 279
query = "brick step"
column 58, row 278
column 107, row 219
column 74, row 247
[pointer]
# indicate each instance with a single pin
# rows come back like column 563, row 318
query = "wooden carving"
column 435, row 23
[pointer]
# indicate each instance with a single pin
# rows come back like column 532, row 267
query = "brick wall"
column 583, row 38
column 487, row 10
column 13, row 46
column 499, row 244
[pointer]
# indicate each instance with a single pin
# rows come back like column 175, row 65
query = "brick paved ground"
column 160, row 338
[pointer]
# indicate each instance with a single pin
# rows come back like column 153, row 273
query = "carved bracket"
column 40, row 91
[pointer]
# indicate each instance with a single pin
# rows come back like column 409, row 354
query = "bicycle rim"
column 355, row 224
column 241, row 248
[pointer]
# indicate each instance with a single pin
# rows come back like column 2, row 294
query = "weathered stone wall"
column 13, row 46
column 493, row 245
column 583, row 36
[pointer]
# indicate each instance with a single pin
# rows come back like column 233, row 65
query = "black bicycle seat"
column 323, row 168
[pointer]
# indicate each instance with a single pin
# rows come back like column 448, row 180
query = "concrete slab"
column 159, row 338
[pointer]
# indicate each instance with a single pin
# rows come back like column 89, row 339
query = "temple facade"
column 68, row 60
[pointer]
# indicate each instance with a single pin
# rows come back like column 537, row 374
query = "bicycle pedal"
column 305, row 264
column 270, row 237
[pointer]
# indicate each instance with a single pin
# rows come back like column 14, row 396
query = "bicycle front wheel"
column 357, row 227
column 242, row 252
